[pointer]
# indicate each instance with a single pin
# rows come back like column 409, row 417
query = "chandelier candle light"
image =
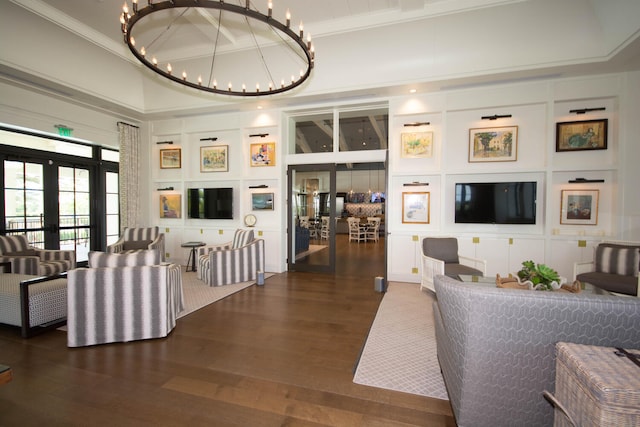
column 218, row 41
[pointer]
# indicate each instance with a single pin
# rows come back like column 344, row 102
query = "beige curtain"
column 129, row 139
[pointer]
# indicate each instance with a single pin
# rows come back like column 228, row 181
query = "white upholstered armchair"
column 122, row 297
column 233, row 262
column 440, row 256
column 137, row 239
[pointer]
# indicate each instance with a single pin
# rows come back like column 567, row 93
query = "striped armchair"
column 122, row 297
column 232, row 262
column 26, row 259
column 137, row 239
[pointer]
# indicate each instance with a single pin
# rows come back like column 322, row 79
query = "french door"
column 50, row 202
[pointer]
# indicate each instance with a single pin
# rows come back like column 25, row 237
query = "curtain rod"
column 129, row 124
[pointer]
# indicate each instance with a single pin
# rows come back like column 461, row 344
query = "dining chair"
column 355, row 232
column 325, row 229
column 373, row 230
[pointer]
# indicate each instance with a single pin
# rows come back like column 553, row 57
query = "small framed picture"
column 499, row 144
column 584, row 135
column 417, row 145
column 263, row 154
column 579, row 207
column 214, row 159
column 170, row 206
column 262, row 201
column 415, row 208
column 170, row 158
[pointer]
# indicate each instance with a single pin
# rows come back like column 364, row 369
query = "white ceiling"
column 365, row 48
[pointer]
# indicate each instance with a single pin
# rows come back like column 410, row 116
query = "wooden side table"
column 192, row 255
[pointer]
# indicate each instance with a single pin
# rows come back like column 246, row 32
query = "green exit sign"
column 63, row 130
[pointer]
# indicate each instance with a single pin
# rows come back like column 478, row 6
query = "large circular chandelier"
column 218, row 47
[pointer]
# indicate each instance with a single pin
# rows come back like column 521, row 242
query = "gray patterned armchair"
column 25, row 259
column 138, row 239
column 496, row 347
column 232, row 262
column 122, row 297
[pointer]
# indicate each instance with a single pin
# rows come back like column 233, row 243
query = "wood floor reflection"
column 352, row 258
column 282, row 354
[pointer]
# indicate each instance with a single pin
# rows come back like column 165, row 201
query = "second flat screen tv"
column 496, row 203
column 210, row 203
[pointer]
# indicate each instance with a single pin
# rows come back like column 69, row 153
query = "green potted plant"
column 540, row 277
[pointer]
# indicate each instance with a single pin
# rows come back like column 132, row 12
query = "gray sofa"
column 496, row 347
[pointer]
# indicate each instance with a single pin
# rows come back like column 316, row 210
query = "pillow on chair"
column 617, row 259
column 103, row 259
column 136, row 245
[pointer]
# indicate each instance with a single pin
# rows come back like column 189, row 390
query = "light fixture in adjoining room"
column 217, row 46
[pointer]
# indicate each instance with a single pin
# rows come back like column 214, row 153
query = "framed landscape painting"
column 579, row 207
column 417, row 144
column 499, row 144
column 170, row 158
column 584, row 135
column 262, row 201
column 214, row 159
column 415, row 208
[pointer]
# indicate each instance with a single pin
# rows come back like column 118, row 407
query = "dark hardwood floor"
column 282, row 354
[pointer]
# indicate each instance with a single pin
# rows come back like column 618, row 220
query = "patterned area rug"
column 400, row 352
column 197, row 294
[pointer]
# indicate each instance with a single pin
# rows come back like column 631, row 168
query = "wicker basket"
column 596, row 386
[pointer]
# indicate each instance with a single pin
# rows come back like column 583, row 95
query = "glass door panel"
column 24, row 200
column 311, row 236
column 53, row 214
column 112, row 207
column 74, row 210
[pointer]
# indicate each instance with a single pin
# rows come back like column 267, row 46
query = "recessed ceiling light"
column 412, row 90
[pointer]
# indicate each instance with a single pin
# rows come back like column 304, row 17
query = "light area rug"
column 400, row 351
column 197, row 294
column 312, row 249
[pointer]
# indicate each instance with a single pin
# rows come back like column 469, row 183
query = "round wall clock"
column 250, row 220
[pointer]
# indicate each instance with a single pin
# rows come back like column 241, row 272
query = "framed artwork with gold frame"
column 170, row 158
column 497, row 144
column 579, row 207
column 263, row 154
column 214, row 159
column 415, row 208
column 170, row 206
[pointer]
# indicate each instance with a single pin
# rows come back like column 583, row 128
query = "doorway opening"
column 325, row 200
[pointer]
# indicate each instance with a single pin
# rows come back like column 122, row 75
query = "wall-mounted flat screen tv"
column 495, row 203
column 210, row 203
